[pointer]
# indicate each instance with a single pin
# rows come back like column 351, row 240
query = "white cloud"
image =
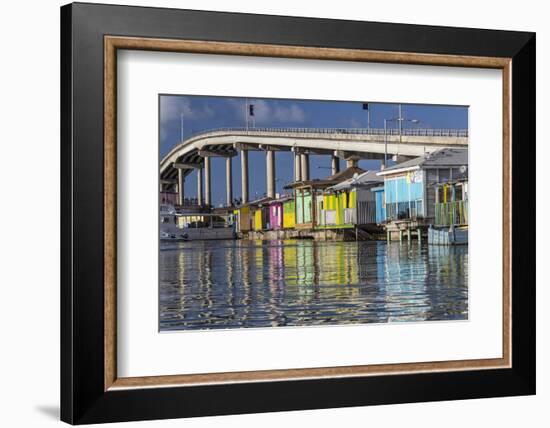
column 291, row 114
column 267, row 113
column 355, row 123
column 171, row 108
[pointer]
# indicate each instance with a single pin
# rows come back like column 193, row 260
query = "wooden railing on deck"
column 447, row 213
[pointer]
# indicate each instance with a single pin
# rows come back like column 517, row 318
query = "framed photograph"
column 266, row 213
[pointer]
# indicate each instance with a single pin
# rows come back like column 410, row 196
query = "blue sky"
column 201, row 113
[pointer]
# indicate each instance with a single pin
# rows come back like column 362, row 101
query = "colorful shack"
column 253, row 215
column 351, row 202
column 451, row 203
column 451, row 214
column 310, row 199
column 410, row 187
column 260, row 208
column 289, row 213
column 244, row 219
column 380, row 204
column 277, row 213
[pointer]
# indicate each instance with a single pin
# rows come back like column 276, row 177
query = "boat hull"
column 199, row 234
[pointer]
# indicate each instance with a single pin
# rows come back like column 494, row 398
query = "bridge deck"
column 337, row 141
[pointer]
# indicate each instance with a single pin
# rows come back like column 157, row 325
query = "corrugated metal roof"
column 282, row 199
column 439, row 158
column 329, row 181
column 258, row 202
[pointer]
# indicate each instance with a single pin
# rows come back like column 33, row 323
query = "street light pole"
column 368, row 118
column 399, row 121
column 366, row 106
column 246, row 113
column 385, row 143
column 181, row 128
column 400, row 128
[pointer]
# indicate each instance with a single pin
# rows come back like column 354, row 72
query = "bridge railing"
column 427, row 132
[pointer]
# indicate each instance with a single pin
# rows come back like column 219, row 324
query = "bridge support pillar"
column 270, row 173
column 335, row 165
column 229, row 181
column 297, row 167
column 199, row 187
column 304, row 160
column 207, row 182
column 181, row 184
column 244, row 176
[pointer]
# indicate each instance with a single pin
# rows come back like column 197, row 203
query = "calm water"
column 234, row 284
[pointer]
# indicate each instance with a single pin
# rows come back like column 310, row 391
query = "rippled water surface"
column 235, row 284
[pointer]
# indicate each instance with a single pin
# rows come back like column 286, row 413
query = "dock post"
column 419, row 235
column 400, row 235
column 388, row 236
column 408, row 235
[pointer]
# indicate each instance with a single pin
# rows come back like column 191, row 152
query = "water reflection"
column 233, row 284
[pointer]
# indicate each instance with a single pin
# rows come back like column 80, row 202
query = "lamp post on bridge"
column 400, row 119
column 249, row 112
column 366, row 106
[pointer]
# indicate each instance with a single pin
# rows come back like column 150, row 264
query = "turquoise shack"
column 409, row 187
column 380, row 204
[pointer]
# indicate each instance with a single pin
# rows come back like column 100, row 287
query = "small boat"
column 194, row 226
column 448, row 236
column 165, row 236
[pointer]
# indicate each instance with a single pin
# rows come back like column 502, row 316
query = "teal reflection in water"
column 234, row 284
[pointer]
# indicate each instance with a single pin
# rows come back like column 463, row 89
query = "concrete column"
column 244, row 176
column 270, row 173
column 229, row 181
column 335, row 165
column 297, row 167
column 304, row 159
column 351, row 163
column 207, row 187
column 199, row 186
column 181, row 184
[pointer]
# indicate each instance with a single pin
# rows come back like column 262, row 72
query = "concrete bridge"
column 351, row 144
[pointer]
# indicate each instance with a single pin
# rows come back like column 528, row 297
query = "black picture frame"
column 83, row 398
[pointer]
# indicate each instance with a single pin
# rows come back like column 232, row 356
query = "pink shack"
column 276, row 213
